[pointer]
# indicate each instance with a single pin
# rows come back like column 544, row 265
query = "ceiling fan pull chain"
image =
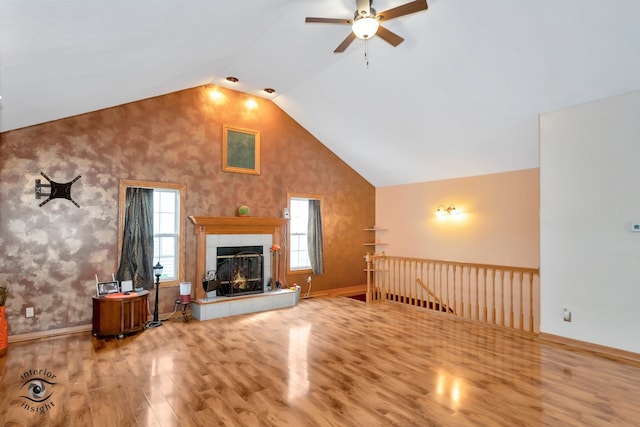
column 366, row 52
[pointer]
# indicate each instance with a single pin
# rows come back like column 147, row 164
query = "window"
column 298, row 246
column 168, row 226
column 305, row 234
column 166, row 213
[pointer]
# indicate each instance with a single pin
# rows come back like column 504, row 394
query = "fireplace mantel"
column 204, row 225
column 237, row 225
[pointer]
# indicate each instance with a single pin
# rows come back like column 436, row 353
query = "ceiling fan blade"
column 389, row 36
column 345, row 43
column 405, row 9
column 328, row 20
column 364, row 7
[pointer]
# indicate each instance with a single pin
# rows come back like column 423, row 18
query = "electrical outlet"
column 308, row 279
column 29, row 312
column 566, row 315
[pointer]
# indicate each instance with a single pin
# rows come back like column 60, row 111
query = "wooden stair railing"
column 494, row 294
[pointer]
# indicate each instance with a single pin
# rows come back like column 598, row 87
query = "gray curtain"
column 136, row 259
column 314, row 235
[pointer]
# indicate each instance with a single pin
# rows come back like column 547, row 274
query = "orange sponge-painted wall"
column 51, row 254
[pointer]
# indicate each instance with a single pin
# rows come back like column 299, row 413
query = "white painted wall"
column 589, row 195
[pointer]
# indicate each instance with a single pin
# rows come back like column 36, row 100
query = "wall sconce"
column 442, row 211
column 215, row 94
column 251, row 104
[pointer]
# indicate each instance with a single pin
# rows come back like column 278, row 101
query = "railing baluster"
column 522, row 305
column 455, row 294
column 440, row 292
column 421, row 276
column 496, row 274
column 478, row 276
column 405, row 280
column 446, row 288
column 434, row 284
column 510, row 280
column 484, row 288
column 531, row 324
column 469, row 291
column 402, row 286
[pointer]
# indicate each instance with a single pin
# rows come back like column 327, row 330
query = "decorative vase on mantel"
column 4, row 326
column 244, row 211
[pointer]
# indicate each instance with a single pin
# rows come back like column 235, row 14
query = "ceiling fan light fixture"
column 365, row 27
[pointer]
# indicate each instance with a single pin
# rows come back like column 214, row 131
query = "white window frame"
column 298, row 269
column 180, row 221
column 166, row 256
column 298, row 238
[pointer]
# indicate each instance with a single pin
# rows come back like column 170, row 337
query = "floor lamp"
column 157, row 271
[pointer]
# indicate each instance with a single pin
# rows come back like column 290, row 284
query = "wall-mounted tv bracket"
column 58, row 191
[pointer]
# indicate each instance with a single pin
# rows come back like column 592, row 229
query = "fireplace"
column 219, row 232
column 234, row 232
column 239, row 270
column 236, row 264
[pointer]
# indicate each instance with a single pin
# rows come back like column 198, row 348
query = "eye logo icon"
column 37, row 390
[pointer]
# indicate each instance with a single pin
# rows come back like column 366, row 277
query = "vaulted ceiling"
column 460, row 97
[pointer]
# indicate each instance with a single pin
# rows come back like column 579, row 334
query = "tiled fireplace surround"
column 214, row 232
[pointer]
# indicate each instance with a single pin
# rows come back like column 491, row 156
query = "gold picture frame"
column 240, row 150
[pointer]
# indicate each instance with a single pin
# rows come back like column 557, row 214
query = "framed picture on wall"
column 240, row 150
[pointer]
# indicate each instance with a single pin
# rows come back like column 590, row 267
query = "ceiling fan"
column 366, row 22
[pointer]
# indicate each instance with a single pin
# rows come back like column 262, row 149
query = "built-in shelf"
column 375, row 242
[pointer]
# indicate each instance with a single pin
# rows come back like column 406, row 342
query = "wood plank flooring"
column 325, row 362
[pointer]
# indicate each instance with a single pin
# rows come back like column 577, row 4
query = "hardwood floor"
column 325, row 362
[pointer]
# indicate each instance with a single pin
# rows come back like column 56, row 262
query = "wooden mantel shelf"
column 204, row 225
column 236, row 224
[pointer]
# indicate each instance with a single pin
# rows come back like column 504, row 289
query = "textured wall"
column 50, row 254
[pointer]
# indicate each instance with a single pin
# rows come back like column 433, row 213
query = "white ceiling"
column 460, row 97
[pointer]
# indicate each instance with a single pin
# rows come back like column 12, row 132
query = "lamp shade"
column 365, row 27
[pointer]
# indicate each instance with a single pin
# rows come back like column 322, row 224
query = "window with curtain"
column 136, row 255
column 305, row 234
column 158, row 221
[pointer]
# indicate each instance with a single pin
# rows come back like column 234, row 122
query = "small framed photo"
column 126, row 286
column 106, row 288
column 240, row 150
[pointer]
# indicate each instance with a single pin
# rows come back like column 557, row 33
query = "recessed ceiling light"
column 232, row 79
column 269, row 90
